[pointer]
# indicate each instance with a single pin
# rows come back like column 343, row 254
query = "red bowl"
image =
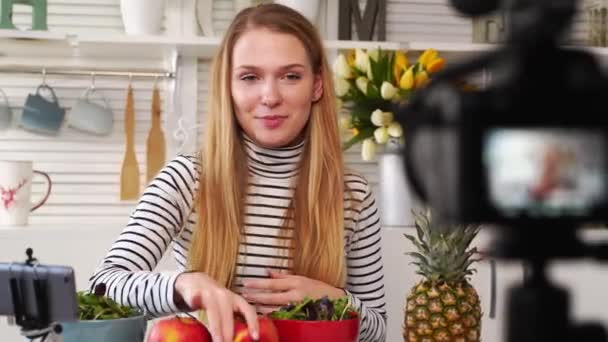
column 317, row 331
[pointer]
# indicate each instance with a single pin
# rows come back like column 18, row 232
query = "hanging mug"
column 6, row 115
column 91, row 117
column 41, row 115
column 16, row 190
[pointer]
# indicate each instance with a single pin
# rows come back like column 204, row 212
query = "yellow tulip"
column 427, row 57
column 407, row 80
column 422, row 78
column 401, row 59
column 400, row 65
column 350, row 57
column 355, row 132
column 435, row 65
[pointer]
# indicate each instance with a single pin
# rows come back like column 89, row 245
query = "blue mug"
column 41, row 115
column 6, row 115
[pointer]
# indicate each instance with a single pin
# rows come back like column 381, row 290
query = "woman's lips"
column 273, row 121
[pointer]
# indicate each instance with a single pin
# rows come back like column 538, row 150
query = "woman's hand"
column 198, row 291
column 282, row 289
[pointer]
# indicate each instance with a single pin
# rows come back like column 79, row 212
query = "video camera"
column 531, row 148
column 526, row 154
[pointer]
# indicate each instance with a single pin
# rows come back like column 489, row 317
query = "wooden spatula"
column 129, row 176
column 155, row 145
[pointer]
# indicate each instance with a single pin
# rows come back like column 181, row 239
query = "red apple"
column 268, row 332
column 179, row 329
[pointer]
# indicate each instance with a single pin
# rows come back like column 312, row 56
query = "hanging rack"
column 156, row 74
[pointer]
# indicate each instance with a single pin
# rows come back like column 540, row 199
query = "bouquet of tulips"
column 368, row 82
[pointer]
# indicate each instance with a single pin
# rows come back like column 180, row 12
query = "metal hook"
column 44, row 76
column 92, row 81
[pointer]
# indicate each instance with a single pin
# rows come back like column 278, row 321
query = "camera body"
column 530, row 149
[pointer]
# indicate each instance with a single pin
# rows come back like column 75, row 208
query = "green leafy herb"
column 96, row 306
column 323, row 309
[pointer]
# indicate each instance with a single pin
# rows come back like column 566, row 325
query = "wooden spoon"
column 129, row 176
column 155, row 144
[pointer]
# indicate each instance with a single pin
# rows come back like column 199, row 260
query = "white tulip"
column 362, row 82
column 374, row 54
column 377, row 118
column 387, row 90
column 342, row 86
column 362, row 61
column 381, row 135
column 341, row 67
column 395, row 130
column 387, row 118
column 368, row 149
column 345, row 122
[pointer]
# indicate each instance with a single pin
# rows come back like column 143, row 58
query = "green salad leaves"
column 323, row 309
column 96, row 306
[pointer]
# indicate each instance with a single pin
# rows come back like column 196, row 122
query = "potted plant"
column 321, row 320
column 102, row 319
column 369, row 84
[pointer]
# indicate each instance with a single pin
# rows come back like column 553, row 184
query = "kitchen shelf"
column 365, row 45
column 44, row 44
column 15, row 43
column 447, row 47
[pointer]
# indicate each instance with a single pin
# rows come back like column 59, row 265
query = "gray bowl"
column 132, row 329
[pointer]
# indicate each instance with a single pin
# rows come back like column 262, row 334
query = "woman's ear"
column 317, row 90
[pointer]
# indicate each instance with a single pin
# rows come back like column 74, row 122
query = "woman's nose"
column 271, row 96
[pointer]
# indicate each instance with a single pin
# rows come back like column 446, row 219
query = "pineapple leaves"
column 421, row 247
column 443, row 253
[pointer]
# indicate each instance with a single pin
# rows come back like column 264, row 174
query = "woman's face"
column 273, row 86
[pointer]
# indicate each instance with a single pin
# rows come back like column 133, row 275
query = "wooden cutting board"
column 129, row 176
column 155, row 145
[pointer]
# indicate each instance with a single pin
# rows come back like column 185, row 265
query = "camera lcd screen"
column 545, row 172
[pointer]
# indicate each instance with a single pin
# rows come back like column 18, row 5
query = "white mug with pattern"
column 15, row 192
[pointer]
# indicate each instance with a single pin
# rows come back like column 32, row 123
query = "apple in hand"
column 268, row 332
column 179, row 329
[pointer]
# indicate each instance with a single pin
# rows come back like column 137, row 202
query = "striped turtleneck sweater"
column 165, row 218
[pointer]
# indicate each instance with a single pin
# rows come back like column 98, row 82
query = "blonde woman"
column 265, row 214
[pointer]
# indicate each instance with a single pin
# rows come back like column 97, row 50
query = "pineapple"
column 443, row 306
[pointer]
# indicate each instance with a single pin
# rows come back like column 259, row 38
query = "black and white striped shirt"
column 165, row 217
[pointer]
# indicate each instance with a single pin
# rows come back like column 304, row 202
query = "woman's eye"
column 293, row 77
column 248, row 78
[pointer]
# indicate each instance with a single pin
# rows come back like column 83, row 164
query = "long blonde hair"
column 318, row 202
